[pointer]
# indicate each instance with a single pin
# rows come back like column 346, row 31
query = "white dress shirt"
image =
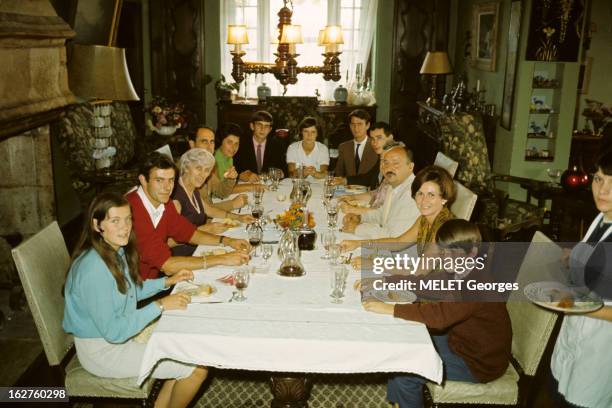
column 155, row 213
column 362, row 145
column 392, row 218
column 317, row 157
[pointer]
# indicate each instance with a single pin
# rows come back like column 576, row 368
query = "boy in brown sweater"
column 476, row 337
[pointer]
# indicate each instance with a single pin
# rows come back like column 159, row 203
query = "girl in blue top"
column 101, row 291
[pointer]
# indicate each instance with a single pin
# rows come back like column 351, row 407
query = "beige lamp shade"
column 333, row 35
column 237, row 34
column 100, row 72
column 292, row 34
column 436, row 62
column 321, row 38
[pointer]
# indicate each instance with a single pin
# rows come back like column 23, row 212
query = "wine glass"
column 338, row 282
column 330, row 189
column 257, row 211
column 266, row 252
column 334, row 253
column 255, row 234
column 554, row 175
column 332, row 214
column 328, row 238
column 258, row 195
column 241, row 281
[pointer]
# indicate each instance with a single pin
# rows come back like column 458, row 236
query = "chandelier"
column 285, row 67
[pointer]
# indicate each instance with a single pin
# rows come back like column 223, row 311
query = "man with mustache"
column 398, row 211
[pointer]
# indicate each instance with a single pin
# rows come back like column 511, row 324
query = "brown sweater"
column 480, row 332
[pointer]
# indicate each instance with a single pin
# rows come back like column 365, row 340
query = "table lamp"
column 435, row 63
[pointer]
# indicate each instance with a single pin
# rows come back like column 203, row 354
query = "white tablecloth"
column 290, row 325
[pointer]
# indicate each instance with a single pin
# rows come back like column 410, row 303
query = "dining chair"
column 464, row 202
column 165, row 150
column 446, row 163
column 42, row 262
column 532, row 327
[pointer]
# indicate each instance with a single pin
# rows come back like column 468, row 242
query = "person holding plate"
column 581, row 363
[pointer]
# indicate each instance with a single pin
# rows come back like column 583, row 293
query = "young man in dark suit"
column 356, row 156
column 259, row 152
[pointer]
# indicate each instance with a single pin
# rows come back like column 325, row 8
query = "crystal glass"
column 329, row 191
column 258, row 195
column 334, row 253
column 275, row 176
column 332, row 214
column 257, row 211
column 266, row 252
column 338, row 282
column 328, row 238
column 255, row 234
column 241, row 281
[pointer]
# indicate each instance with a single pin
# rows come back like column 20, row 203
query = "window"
column 260, row 17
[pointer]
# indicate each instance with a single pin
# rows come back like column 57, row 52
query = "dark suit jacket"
column 369, row 179
column 274, row 155
column 346, row 159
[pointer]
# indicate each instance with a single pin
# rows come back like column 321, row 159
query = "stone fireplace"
column 33, row 92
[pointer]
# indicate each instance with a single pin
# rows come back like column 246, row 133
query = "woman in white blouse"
column 313, row 156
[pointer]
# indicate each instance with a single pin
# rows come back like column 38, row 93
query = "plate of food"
column 359, row 204
column 204, row 292
column 230, row 223
column 395, row 297
column 355, row 188
column 561, row 298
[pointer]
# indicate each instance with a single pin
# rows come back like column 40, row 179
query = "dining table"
column 289, row 326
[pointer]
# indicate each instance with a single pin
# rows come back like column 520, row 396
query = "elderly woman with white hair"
column 195, row 167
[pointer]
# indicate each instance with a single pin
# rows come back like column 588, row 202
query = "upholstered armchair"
column 463, row 140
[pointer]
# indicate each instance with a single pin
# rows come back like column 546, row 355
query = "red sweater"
column 152, row 241
column 480, row 332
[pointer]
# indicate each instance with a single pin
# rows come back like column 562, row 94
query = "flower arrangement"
column 165, row 113
column 598, row 113
column 294, row 218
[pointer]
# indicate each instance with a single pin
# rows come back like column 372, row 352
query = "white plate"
column 549, row 294
column 221, row 293
column 395, row 297
column 355, row 188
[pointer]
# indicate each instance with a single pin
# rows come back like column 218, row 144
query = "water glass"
column 329, row 191
column 241, row 281
column 334, row 253
column 328, row 238
column 258, row 195
column 332, row 214
column 266, row 252
column 338, row 282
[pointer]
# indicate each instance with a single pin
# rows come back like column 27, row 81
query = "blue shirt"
column 96, row 309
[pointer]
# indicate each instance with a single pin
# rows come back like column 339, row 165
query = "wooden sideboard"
column 427, row 141
column 333, row 118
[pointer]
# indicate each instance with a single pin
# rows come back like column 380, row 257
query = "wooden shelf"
column 539, row 159
column 534, row 136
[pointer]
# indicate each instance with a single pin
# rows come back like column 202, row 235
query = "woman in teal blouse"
column 101, row 291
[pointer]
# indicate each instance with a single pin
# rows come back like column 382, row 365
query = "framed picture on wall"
column 485, row 18
column 96, row 21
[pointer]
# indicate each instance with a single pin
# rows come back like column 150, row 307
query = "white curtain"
column 266, row 23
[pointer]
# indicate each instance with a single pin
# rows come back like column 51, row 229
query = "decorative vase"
column 263, row 91
column 340, row 94
column 574, row 179
column 165, row 130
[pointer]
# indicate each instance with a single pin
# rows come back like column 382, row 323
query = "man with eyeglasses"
column 259, row 153
column 398, row 211
column 356, row 156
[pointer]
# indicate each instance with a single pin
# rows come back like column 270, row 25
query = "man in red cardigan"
column 155, row 219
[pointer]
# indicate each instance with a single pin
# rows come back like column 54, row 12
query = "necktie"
column 357, row 160
column 259, row 159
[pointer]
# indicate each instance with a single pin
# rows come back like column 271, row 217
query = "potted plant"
column 224, row 89
column 167, row 117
